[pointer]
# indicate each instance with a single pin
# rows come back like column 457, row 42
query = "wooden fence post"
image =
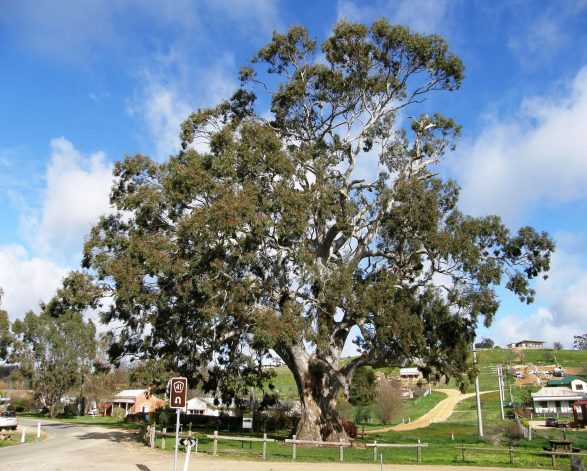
column 293, row 449
column 553, row 461
column 375, row 450
column 419, row 452
column 511, row 450
column 215, row 447
column 341, row 451
column 264, row 445
column 464, row 450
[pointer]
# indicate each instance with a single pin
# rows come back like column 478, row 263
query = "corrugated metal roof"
column 554, row 392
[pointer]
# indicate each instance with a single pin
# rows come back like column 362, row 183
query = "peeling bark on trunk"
column 318, row 389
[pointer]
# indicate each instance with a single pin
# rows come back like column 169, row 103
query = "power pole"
column 501, row 392
column 479, row 417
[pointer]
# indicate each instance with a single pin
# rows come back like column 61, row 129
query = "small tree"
column 580, row 342
column 557, row 346
column 363, row 389
column 389, row 403
column 485, row 343
column 56, row 349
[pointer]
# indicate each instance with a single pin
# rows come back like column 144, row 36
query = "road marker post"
column 23, row 436
column 38, row 429
column 177, row 400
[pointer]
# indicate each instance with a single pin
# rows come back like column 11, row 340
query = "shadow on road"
column 142, row 467
column 118, row 436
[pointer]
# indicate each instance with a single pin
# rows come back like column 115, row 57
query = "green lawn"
column 443, row 449
column 85, row 420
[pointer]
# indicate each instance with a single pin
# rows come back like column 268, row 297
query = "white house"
column 527, row 344
column 410, row 373
column 202, row 406
column 555, row 399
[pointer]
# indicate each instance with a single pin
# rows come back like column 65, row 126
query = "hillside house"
column 410, row 373
column 533, row 344
column 134, row 401
column 552, row 400
column 574, row 383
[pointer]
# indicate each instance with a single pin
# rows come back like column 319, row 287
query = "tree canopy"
column 55, row 349
column 268, row 232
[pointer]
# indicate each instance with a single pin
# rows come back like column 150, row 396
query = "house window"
column 578, row 387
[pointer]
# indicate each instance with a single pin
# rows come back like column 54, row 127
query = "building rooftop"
column 554, row 393
column 566, row 381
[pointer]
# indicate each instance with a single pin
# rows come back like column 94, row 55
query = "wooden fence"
column 217, row 437
column 418, row 446
column 294, row 442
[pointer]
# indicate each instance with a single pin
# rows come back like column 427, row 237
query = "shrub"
column 362, row 415
column 389, row 403
column 350, row 428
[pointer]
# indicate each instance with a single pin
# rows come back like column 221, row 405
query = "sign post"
column 177, row 400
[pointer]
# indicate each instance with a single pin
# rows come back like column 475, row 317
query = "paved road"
column 74, row 448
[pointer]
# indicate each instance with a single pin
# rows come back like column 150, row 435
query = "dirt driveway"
column 439, row 413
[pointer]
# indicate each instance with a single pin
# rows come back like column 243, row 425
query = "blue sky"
column 85, row 82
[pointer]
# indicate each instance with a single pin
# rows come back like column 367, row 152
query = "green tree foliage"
column 55, row 349
column 580, row 342
column 5, row 336
column 265, row 235
column 485, row 343
column 363, row 388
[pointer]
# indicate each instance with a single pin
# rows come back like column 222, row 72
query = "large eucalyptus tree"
column 265, row 233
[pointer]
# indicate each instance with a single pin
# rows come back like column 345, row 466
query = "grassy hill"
column 487, row 359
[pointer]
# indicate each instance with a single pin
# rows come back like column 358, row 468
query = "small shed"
column 410, row 373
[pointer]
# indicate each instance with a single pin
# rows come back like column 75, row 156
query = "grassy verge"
column 112, row 422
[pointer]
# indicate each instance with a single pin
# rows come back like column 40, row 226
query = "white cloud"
column 538, row 35
column 421, row 15
column 537, row 157
column 561, row 302
column 26, row 279
column 75, row 196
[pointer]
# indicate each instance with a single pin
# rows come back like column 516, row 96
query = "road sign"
column 178, row 393
column 188, row 442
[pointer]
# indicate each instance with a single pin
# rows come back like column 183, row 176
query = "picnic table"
column 564, row 445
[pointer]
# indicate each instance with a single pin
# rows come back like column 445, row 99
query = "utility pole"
column 479, row 417
column 501, row 392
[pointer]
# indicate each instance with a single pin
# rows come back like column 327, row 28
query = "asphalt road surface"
column 73, row 448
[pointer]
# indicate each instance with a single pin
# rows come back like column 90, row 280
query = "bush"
column 350, row 428
column 362, row 415
column 512, row 433
column 389, row 403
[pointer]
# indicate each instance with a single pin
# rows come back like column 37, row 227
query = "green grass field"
column 444, row 441
column 487, row 359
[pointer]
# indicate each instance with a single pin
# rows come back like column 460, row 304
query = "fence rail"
column 418, row 446
column 294, row 442
column 217, row 437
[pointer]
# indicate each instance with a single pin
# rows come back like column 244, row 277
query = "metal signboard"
column 178, row 393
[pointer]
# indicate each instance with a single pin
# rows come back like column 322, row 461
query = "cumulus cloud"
column 76, row 194
column 26, row 279
column 537, row 157
column 559, row 311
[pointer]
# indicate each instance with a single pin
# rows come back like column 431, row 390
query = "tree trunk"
column 318, row 388
column 319, row 419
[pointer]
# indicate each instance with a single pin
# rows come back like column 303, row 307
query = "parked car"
column 551, row 422
column 8, row 420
